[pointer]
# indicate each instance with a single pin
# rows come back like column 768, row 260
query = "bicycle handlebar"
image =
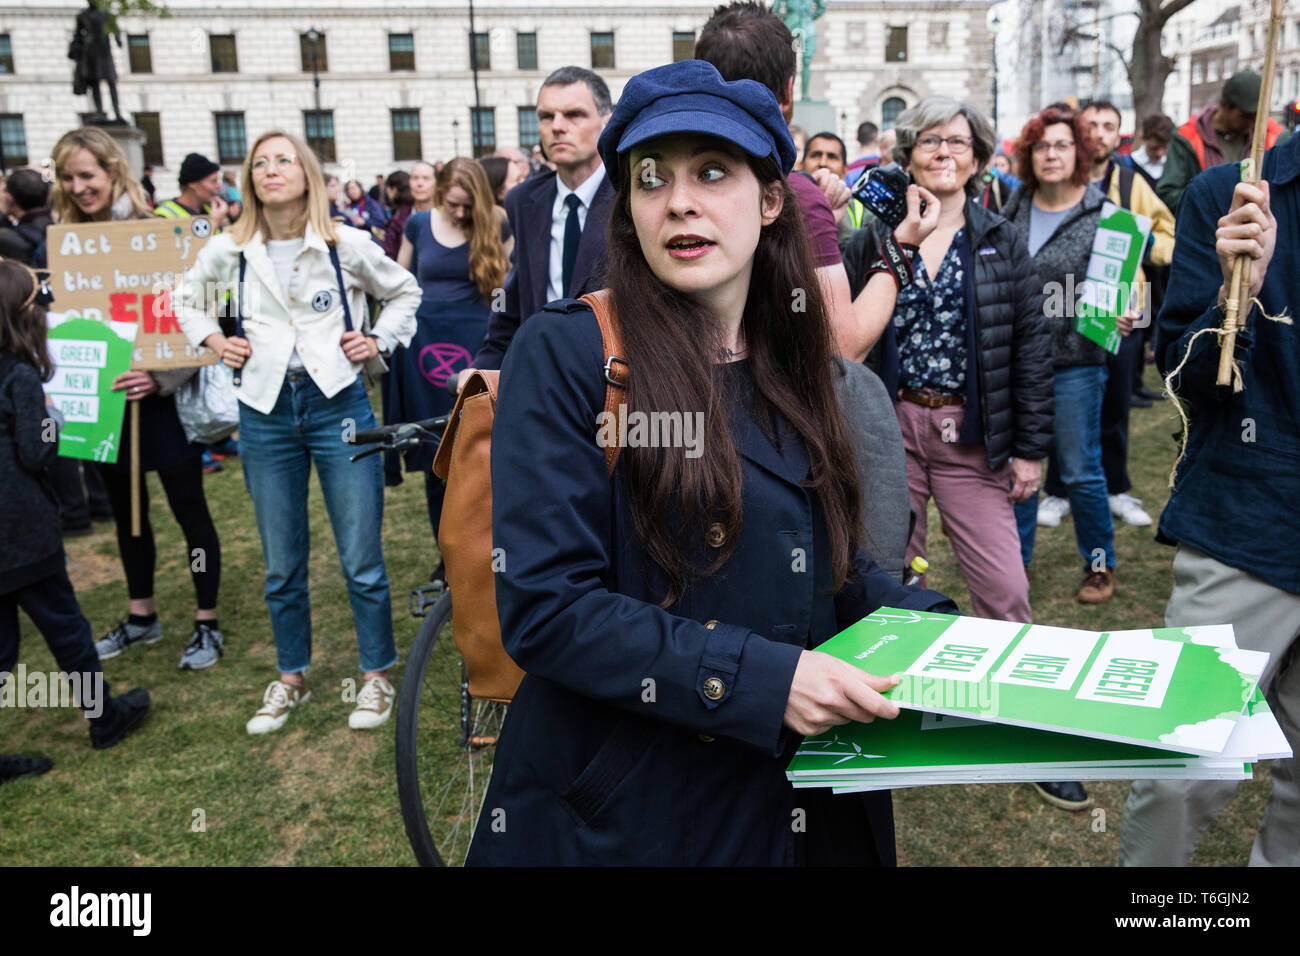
column 397, row 437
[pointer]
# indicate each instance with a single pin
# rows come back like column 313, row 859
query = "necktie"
column 572, row 234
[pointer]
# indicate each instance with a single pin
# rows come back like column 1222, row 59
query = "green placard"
column 1161, row 688
column 1112, row 274
column 88, row 355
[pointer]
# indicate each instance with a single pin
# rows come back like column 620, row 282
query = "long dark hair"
column 400, row 180
column 670, row 342
column 22, row 321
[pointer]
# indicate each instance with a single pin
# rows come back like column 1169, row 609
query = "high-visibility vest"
column 171, row 209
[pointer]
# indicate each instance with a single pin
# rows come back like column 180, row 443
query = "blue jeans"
column 1076, row 442
column 277, row 452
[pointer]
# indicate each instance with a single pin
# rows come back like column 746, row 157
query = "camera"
column 883, row 190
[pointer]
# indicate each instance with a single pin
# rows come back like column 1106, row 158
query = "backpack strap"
column 236, row 374
column 616, row 367
column 343, row 293
column 1125, row 187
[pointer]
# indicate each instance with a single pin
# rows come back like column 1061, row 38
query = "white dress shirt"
column 306, row 317
column 586, row 192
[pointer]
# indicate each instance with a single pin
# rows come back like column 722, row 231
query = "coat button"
column 711, row 624
column 714, row 689
column 706, row 739
column 717, row 535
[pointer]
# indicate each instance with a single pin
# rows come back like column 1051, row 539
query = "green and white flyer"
column 1112, row 274
column 1162, row 688
column 88, row 354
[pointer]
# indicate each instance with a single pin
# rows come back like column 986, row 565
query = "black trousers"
column 77, row 507
column 52, row 605
column 183, row 485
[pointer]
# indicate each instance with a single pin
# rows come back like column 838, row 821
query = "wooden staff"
column 1237, row 305
column 135, row 469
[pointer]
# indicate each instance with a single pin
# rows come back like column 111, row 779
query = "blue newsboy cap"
column 691, row 96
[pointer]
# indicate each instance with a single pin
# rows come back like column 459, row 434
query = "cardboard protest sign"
column 1161, row 688
column 88, row 354
column 124, row 272
column 1112, row 274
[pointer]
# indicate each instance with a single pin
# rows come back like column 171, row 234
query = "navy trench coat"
column 612, row 752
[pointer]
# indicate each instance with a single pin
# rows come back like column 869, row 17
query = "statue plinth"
column 130, row 139
column 816, row 116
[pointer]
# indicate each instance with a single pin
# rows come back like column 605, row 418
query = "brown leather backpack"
column 464, row 461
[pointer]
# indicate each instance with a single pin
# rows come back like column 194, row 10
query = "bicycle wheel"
column 445, row 743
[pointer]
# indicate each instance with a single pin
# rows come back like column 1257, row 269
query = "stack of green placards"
column 999, row 702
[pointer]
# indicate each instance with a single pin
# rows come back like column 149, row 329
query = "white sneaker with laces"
column 279, row 699
column 1051, row 510
column 1129, row 510
column 374, row 704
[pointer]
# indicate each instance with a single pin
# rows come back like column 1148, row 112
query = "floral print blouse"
column 930, row 325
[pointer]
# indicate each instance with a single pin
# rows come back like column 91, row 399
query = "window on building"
column 231, row 144
column 1198, row 73
column 406, row 135
column 602, row 51
column 151, row 126
column 484, row 131
column 480, row 51
column 889, row 111
column 683, row 46
column 895, row 44
column 1212, row 75
column 222, row 48
column 138, row 54
column 319, row 127
column 6, row 54
column 13, row 141
column 401, row 51
column 529, row 134
column 526, row 49
column 1229, row 64
column 308, row 50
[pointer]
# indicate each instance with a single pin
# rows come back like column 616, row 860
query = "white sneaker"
column 374, row 704
column 279, row 699
column 1051, row 510
column 1129, row 510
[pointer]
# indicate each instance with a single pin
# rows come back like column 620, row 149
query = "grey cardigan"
column 1062, row 265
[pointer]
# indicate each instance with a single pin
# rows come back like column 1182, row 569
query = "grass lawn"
column 318, row 793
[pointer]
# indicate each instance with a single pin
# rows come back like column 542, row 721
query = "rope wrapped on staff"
column 1237, row 305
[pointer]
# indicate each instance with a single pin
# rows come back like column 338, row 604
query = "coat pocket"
column 615, row 759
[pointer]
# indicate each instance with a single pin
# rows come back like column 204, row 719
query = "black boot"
column 17, row 765
column 128, row 710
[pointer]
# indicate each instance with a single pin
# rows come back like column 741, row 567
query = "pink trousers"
column 973, row 503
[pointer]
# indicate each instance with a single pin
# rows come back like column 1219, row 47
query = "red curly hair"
column 1034, row 132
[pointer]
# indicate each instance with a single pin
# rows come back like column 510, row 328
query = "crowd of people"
column 706, row 213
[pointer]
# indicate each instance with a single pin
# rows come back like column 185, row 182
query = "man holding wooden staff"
column 1233, row 511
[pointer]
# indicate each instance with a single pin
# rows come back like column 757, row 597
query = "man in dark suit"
column 558, row 219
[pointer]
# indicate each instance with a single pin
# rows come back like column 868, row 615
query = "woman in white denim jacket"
column 301, row 395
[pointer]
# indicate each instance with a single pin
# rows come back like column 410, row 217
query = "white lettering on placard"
column 1134, row 668
column 80, row 352
column 966, row 649
column 1047, row 657
column 75, row 381
column 73, row 245
column 77, row 408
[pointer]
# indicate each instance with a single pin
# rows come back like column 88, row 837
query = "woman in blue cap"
column 665, row 616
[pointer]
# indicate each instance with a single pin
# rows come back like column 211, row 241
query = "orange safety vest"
column 1192, row 133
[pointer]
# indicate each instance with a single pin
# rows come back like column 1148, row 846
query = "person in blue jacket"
column 667, row 617
column 1232, row 512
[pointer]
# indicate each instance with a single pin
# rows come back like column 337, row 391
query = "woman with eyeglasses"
column 301, row 343
column 1057, row 213
column 964, row 350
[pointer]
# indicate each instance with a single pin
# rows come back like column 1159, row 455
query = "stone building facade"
column 396, row 84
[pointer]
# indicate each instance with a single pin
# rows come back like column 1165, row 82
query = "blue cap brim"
column 675, row 122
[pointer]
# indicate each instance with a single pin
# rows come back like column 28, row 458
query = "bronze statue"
column 799, row 16
column 94, row 58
